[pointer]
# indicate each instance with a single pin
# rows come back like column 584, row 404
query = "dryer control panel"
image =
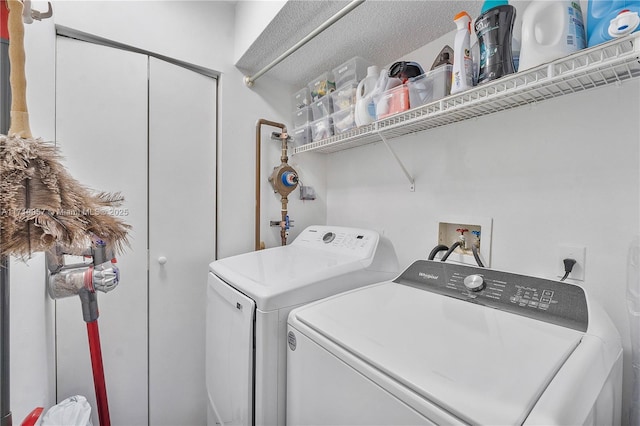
column 555, row 302
column 336, row 239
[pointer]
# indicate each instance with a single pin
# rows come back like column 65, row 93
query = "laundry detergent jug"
column 550, row 30
column 609, row 19
column 494, row 28
column 364, row 97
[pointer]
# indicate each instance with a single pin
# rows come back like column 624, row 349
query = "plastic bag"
column 73, row 411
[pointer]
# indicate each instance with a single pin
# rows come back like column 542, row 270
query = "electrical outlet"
column 578, row 253
column 447, row 235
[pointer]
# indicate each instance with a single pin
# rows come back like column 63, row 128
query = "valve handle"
column 462, row 230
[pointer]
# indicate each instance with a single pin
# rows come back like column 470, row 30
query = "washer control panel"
column 545, row 300
column 350, row 241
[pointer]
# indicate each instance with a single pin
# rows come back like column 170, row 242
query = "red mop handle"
column 91, row 318
column 98, row 373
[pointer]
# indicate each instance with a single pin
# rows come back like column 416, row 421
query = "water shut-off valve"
column 461, row 239
column 476, row 240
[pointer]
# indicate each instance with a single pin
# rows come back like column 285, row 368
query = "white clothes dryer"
column 452, row 344
column 249, row 297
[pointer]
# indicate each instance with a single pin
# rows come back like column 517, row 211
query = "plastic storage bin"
column 430, row 86
column 302, row 116
column 392, row 101
column 344, row 97
column 321, row 85
column 301, row 135
column 354, row 70
column 321, row 129
column 344, row 120
column 321, row 108
column 301, row 98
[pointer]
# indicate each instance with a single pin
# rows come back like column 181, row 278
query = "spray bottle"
column 494, row 28
column 462, row 76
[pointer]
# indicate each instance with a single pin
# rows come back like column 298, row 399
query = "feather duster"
column 40, row 202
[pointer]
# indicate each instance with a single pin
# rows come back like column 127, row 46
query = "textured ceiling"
column 377, row 30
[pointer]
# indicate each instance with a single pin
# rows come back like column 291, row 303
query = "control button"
column 547, row 293
column 533, row 304
column 545, row 300
column 474, row 282
column 328, row 237
column 544, row 306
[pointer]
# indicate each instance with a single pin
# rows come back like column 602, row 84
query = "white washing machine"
column 452, row 344
column 248, row 300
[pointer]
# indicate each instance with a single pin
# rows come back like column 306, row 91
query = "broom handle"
column 18, row 80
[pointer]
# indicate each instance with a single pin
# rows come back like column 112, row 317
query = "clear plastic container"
column 354, row 70
column 301, row 98
column 321, row 108
column 392, row 101
column 321, row 129
column 321, row 85
column 301, row 135
column 344, row 97
column 344, row 120
column 302, row 116
column 430, row 86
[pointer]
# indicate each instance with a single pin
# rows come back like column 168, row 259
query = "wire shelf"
column 605, row 64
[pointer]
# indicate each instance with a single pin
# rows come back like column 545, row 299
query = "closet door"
column 182, row 173
column 101, row 127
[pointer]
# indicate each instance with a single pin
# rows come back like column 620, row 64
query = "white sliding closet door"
column 101, row 127
column 132, row 123
column 182, row 158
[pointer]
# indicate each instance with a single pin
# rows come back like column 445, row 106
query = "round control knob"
column 162, row 260
column 474, row 282
column 328, row 237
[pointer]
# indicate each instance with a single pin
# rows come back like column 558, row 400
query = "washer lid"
column 482, row 365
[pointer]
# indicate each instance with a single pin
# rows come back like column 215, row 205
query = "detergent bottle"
column 494, row 28
column 609, row 19
column 364, row 97
column 462, row 74
column 550, row 30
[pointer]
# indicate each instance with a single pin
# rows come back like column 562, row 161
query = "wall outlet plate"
column 447, row 235
column 567, row 251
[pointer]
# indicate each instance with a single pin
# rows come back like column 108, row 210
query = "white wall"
column 566, row 171
column 252, row 17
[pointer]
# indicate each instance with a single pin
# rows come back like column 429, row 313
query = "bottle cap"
column 490, row 4
column 460, row 15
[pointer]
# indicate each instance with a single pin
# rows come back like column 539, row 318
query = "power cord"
column 568, row 267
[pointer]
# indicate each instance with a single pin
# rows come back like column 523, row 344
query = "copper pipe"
column 259, row 124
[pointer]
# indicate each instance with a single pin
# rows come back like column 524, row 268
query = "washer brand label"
column 291, row 338
column 428, row 276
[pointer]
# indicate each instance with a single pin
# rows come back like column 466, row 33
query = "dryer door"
column 229, row 354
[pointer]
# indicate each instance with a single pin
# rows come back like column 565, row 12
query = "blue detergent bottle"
column 610, row 19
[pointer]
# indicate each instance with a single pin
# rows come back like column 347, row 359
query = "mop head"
column 41, row 204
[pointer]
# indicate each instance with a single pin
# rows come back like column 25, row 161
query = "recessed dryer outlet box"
column 448, row 234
